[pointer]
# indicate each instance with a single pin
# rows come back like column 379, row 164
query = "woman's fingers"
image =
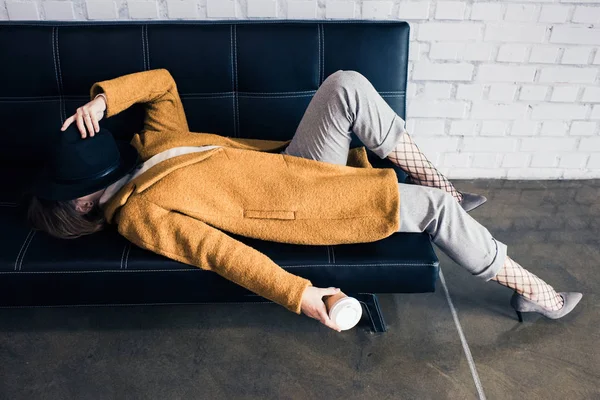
column 322, row 310
column 325, row 320
column 86, row 118
column 88, row 123
column 84, row 122
column 80, row 123
column 329, row 291
column 68, row 122
column 313, row 306
column 95, row 123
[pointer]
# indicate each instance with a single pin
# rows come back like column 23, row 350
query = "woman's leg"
column 469, row 243
column 347, row 102
column 407, row 156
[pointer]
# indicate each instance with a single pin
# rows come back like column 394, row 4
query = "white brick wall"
column 554, row 13
column 143, row 9
column 302, row 9
column 58, row 10
column 498, row 88
column 182, row 9
column 101, row 10
column 22, row 11
column 262, row 8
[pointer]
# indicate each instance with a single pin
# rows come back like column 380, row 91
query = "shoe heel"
column 519, row 315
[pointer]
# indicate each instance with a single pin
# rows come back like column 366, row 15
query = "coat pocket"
column 261, row 214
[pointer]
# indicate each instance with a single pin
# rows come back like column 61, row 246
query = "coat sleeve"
column 190, row 241
column 155, row 89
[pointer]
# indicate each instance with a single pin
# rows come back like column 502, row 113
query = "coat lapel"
column 151, row 176
column 117, row 201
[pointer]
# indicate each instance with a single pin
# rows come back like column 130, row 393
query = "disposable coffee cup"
column 343, row 310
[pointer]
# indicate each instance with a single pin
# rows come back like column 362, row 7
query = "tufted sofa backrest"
column 239, row 79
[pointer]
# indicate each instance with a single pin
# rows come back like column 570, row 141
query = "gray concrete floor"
column 261, row 351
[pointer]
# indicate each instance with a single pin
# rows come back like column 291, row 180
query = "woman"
column 192, row 188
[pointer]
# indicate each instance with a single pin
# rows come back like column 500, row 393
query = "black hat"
column 77, row 167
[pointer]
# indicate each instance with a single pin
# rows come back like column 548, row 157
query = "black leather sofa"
column 240, row 79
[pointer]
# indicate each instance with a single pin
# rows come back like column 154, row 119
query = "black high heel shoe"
column 521, row 304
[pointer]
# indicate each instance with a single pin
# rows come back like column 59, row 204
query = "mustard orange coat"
column 182, row 207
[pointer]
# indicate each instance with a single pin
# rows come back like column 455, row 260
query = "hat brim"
column 46, row 188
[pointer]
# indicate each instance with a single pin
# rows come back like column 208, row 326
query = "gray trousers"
column 347, row 102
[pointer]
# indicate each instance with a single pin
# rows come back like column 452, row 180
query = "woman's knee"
column 345, row 79
column 439, row 203
column 445, row 203
column 422, row 208
column 434, row 197
column 448, row 199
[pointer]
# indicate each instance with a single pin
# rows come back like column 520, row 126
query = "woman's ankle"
column 528, row 285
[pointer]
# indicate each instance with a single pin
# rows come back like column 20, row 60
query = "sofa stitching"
column 200, row 270
column 208, row 95
column 21, row 250
column 143, row 50
column 123, row 256
column 232, row 77
column 188, row 96
column 290, row 92
column 364, row 265
column 147, row 47
column 231, row 57
column 25, row 98
column 258, row 94
column 56, row 74
column 275, row 97
column 321, row 59
column 8, row 204
column 319, row 55
column 320, row 50
column 237, row 110
column 40, row 100
column 223, row 22
column 127, row 255
column 138, row 304
column 62, row 89
column 55, row 68
column 323, row 53
column 144, row 65
column 26, row 247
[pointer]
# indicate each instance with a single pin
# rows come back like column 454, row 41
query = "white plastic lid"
column 346, row 313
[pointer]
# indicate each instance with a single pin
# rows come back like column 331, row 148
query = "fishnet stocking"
column 421, row 171
column 528, row 285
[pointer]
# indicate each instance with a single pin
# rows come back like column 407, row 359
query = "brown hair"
column 61, row 220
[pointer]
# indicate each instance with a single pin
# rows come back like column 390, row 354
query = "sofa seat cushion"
column 105, row 268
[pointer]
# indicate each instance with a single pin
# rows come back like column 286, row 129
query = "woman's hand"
column 88, row 116
column 313, row 306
